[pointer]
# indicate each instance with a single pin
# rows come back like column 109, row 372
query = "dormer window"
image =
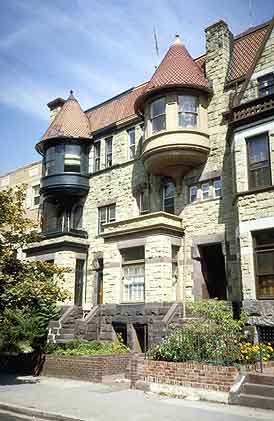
column 187, row 111
column 158, row 115
column 266, row 84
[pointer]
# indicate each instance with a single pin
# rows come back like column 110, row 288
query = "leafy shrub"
column 212, row 335
column 80, row 347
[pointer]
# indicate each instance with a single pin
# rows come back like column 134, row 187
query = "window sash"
column 108, row 145
column 169, row 198
column 158, row 116
column 217, row 184
column 187, row 111
column 205, row 191
column 144, row 202
column 131, row 143
column 134, row 282
column 259, row 169
column 106, row 214
column 97, row 153
column 193, row 194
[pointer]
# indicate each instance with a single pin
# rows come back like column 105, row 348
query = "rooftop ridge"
column 23, row 167
column 251, row 29
column 121, row 94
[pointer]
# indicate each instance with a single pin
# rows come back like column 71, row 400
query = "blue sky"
column 96, row 48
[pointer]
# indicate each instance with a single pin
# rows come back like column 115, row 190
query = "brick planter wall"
column 85, row 368
column 202, row 376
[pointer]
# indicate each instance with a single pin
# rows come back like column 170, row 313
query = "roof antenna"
column 250, row 7
column 156, row 44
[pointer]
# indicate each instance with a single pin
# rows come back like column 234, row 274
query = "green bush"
column 80, row 347
column 212, row 335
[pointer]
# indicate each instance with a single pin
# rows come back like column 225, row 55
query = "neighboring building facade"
column 165, row 192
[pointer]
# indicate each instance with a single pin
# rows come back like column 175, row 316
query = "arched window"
column 78, row 217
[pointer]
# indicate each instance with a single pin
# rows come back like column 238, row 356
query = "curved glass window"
column 72, row 158
column 187, row 111
column 50, row 161
column 158, row 115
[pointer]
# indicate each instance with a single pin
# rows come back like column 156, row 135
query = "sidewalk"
column 69, row 399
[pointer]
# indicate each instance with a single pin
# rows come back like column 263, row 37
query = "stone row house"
column 165, row 192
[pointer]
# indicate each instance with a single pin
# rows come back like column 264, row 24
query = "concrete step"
column 66, row 330
column 260, row 379
column 265, row 390
column 255, row 401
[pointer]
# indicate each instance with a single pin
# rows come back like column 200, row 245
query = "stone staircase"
column 257, row 391
column 63, row 330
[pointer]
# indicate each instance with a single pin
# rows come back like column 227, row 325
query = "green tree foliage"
column 29, row 290
column 211, row 335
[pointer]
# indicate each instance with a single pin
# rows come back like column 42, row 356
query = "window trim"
column 247, row 140
column 182, row 112
column 152, row 118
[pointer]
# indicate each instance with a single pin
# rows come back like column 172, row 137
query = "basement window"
column 264, row 263
column 133, row 261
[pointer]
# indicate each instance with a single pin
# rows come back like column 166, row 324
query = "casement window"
column 169, row 197
column 35, row 195
column 264, row 263
column 50, row 161
column 144, row 202
column 97, row 154
column 266, row 84
column 187, row 111
column 108, row 148
column 193, row 194
column 205, row 191
column 217, row 185
column 158, row 115
column 72, row 158
column 259, row 171
column 105, row 214
column 131, row 143
column 133, row 262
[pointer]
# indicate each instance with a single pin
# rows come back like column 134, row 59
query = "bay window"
column 158, row 115
column 187, row 111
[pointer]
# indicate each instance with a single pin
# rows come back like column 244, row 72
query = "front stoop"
column 256, row 391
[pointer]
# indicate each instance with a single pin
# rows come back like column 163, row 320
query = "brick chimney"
column 219, row 42
column 54, row 107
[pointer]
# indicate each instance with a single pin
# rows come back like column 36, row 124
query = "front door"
column 79, row 282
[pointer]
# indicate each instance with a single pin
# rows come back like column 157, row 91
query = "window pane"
column 217, row 187
column 205, row 191
column 144, row 201
column 159, row 123
column 78, row 217
column 168, row 197
column 187, row 103
column 72, row 165
column 131, row 143
column 134, row 253
column 265, row 261
column 187, row 120
column 258, row 149
column 158, row 107
column 111, row 213
column 74, row 150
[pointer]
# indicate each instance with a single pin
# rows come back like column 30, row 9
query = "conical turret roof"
column 70, row 122
column 176, row 69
